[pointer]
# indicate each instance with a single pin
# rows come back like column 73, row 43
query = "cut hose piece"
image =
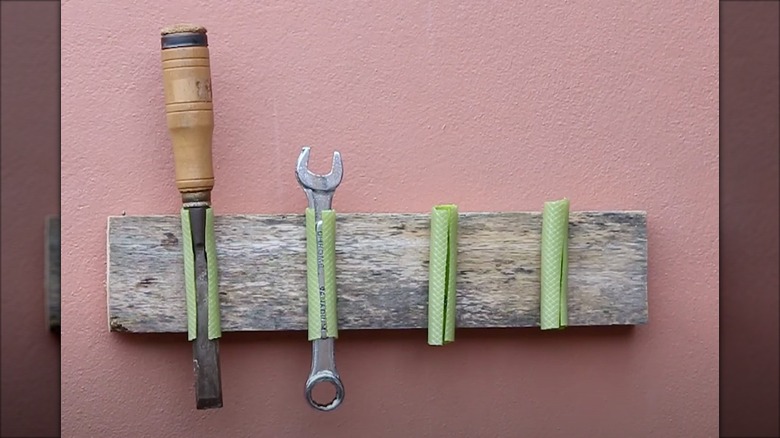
column 189, row 248
column 188, row 252
column 322, row 310
column 442, row 274
column 554, row 265
column 215, row 323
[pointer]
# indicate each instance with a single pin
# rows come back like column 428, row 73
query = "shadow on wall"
column 514, row 337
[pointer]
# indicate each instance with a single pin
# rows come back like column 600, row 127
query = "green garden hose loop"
column 189, row 275
column 214, row 321
column 554, row 265
column 322, row 310
column 442, row 275
column 215, row 327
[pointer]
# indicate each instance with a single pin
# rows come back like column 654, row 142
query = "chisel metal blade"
column 205, row 351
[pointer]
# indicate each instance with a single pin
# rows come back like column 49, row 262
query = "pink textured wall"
column 494, row 106
column 30, row 356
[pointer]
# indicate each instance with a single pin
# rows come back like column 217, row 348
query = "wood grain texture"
column 52, row 272
column 382, row 271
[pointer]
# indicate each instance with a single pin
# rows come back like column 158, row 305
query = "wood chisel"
column 189, row 112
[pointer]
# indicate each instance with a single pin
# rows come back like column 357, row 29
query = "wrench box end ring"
column 322, row 377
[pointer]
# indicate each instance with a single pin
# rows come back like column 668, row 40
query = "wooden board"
column 382, row 271
column 52, row 272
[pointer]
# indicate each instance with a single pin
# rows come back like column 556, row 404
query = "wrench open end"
column 312, row 181
column 323, row 377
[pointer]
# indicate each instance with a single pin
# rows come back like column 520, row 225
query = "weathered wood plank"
column 52, row 272
column 382, row 271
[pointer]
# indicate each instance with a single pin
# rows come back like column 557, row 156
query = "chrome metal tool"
column 321, row 276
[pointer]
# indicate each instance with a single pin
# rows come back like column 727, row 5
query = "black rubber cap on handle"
column 184, row 39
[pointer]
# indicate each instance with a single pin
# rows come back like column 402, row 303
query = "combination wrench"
column 321, row 275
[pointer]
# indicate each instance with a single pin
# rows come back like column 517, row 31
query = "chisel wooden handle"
column 189, row 109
